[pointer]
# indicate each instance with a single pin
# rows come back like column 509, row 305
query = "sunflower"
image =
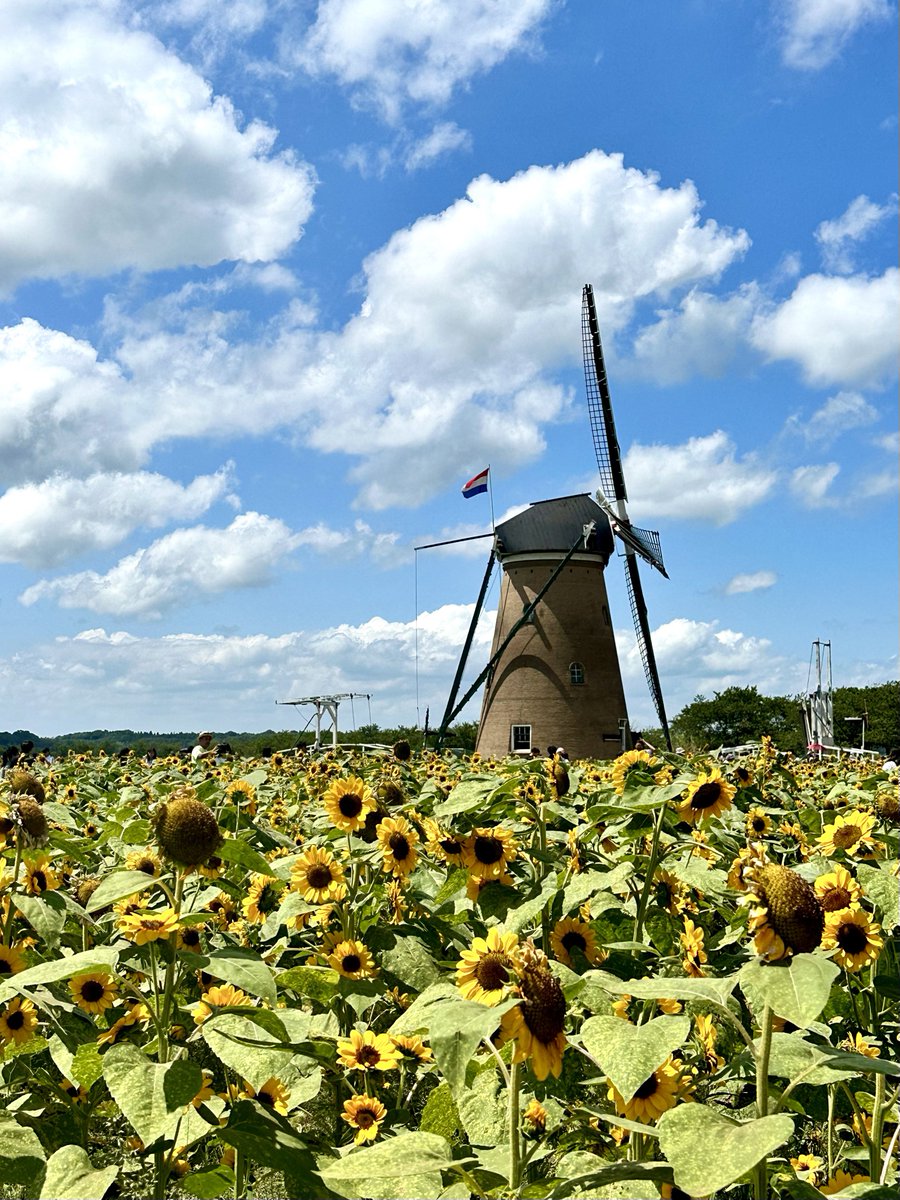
column 443, row 844
column 630, row 761
column 224, row 909
column 838, row 889
column 11, row 960
column 40, row 876
column 352, row 960
column 669, row 891
column 18, row 1021
column 743, row 777
column 94, row 991
column 692, row 943
column 535, row 1116
column 347, row 803
column 364, row 1114
column 367, row 1051
column 487, row 851
column 223, row 995
column 144, row 860
column 855, row 939
column 786, row 917
column 211, row 869
column 811, row 1165
column 851, row 833
column 857, row 1044
column 707, row 1035
column 136, row 1013
column 707, row 796
column 188, row 938
column 536, row 1025
column 74, row 1091
column 620, row 1008
column 398, row 841
column 316, row 875
column 758, row 824
column 273, row 1094
column 412, row 1050
column 242, row 792
column 475, row 885
column 571, row 935
column 148, row 926
column 656, row 1094
column 263, row 895
column 487, row 967
column 840, row 1180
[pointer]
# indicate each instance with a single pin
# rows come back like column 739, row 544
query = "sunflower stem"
column 515, row 1145
column 13, row 887
column 829, row 1132
column 170, row 965
column 877, row 1126
column 761, row 1171
column 648, row 879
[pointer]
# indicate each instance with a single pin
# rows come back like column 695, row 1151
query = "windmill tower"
column 553, row 676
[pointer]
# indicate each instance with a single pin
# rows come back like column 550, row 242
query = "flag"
column 477, row 484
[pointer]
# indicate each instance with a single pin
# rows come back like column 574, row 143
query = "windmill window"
column 576, row 674
column 606, row 615
column 520, row 737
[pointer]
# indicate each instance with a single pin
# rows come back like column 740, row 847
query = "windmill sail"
column 641, row 542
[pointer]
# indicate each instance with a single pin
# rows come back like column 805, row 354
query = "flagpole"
column 491, row 497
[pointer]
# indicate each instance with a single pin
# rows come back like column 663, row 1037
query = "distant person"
column 892, row 760
column 535, row 752
column 641, row 743
column 204, row 742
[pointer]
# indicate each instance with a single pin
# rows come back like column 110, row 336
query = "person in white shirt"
column 204, row 741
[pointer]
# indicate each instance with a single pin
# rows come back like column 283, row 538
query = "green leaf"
column 455, row 882
column 456, row 1028
column 269, row 1139
column 860, row 1064
column 410, row 960
column 70, row 1174
column 586, row 1183
column 439, row 1114
column 243, row 968
column 797, row 991
column 530, row 910
column 883, row 890
column 227, row 1036
column 235, row 850
column 318, row 983
column 470, row 793
column 403, row 1155
column 21, row 1155
column 483, row 1109
column 629, row 1054
column 45, row 914
column 708, row 1151
column 716, row 991
column 119, row 886
column 792, row 1056
column 149, row 1093
column 207, row 1185
column 101, row 958
column 87, row 1065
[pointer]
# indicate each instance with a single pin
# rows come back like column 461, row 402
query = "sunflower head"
column 402, row 750
column 887, row 805
column 187, row 830
column 32, row 819
column 24, row 783
column 707, row 796
column 788, row 917
column 85, row 889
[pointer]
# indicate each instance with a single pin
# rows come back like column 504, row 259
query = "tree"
column 736, row 716
column 881, row 707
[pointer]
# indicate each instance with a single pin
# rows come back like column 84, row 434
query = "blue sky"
column 276, row 278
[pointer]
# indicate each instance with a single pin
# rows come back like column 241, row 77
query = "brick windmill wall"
column 558, row 682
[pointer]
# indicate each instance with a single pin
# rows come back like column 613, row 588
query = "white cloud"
column 177, row 568
column 699, row 337
column 423, row 380
column 812, row 485
column 840, row 330
column 45, row 524
column 394, row 52
column 701, row 479
column 815, row 31
column 837, row 239
column 101, row 118
column 838, row 415
column 753, row 581
column 443, row 139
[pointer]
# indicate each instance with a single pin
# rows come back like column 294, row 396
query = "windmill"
column 553, row 674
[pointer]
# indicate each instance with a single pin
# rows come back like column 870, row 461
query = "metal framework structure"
column 326, row 706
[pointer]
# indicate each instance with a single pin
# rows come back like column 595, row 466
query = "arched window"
column 576, row 674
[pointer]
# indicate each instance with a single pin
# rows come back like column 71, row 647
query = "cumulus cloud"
column 841, row 330
column 443, row 139
column 699, row 337
column 45, row 524
column 812, row 484
column 701, row 479
column 175, row 569
column 815, row 31
column 753, row 581
column 839, row 414
column 422, row 380
column 838, row 238
column 391, row 54
column 99, row 117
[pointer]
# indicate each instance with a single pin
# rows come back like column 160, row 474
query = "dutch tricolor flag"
column 477, row 484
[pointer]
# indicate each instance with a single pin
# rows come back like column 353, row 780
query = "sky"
column 277, row 277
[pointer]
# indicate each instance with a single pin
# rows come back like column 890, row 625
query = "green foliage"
column 736, row 716
column 737, row 1147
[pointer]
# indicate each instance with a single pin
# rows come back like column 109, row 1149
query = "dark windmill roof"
column 553, row 525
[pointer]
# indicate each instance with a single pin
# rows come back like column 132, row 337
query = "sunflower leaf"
column 230, row 1035
column 236, row 850
column 149, row 1094
column 45, row 914
column 100, row 958
column 797, row 991
column 241, row 967
column 71, row 1173
column 118, row 886
column 21, row 1155
column 708, row 1151
column 406, row 1154
column 629, row 1054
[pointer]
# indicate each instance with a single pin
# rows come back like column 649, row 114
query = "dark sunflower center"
column 847, row 836
column 758, row 824
column 648, row 1088
column 400, row 847
column 492, row 972
column 706, row 795
column 267, row 899
column 40, row 881
column 368, row 1056
column 351, row 963
column 743, row 774
column 266, row 1098
column 852, row 938
column 450, row 846
column 190, row 937
column 488, row 850
column 318, row 876
column 92, row 990
column 15, row 1020
column 544, row 1010
column 147, row 866
column 350, row 804
column 835, row 899
column 364, row 1118
column 573, row 940
column 151, row 924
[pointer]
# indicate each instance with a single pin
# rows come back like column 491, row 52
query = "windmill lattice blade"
column 603, row 426
column 645, row 645
column 649, row 539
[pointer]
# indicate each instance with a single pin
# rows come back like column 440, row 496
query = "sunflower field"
column 430, row 976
